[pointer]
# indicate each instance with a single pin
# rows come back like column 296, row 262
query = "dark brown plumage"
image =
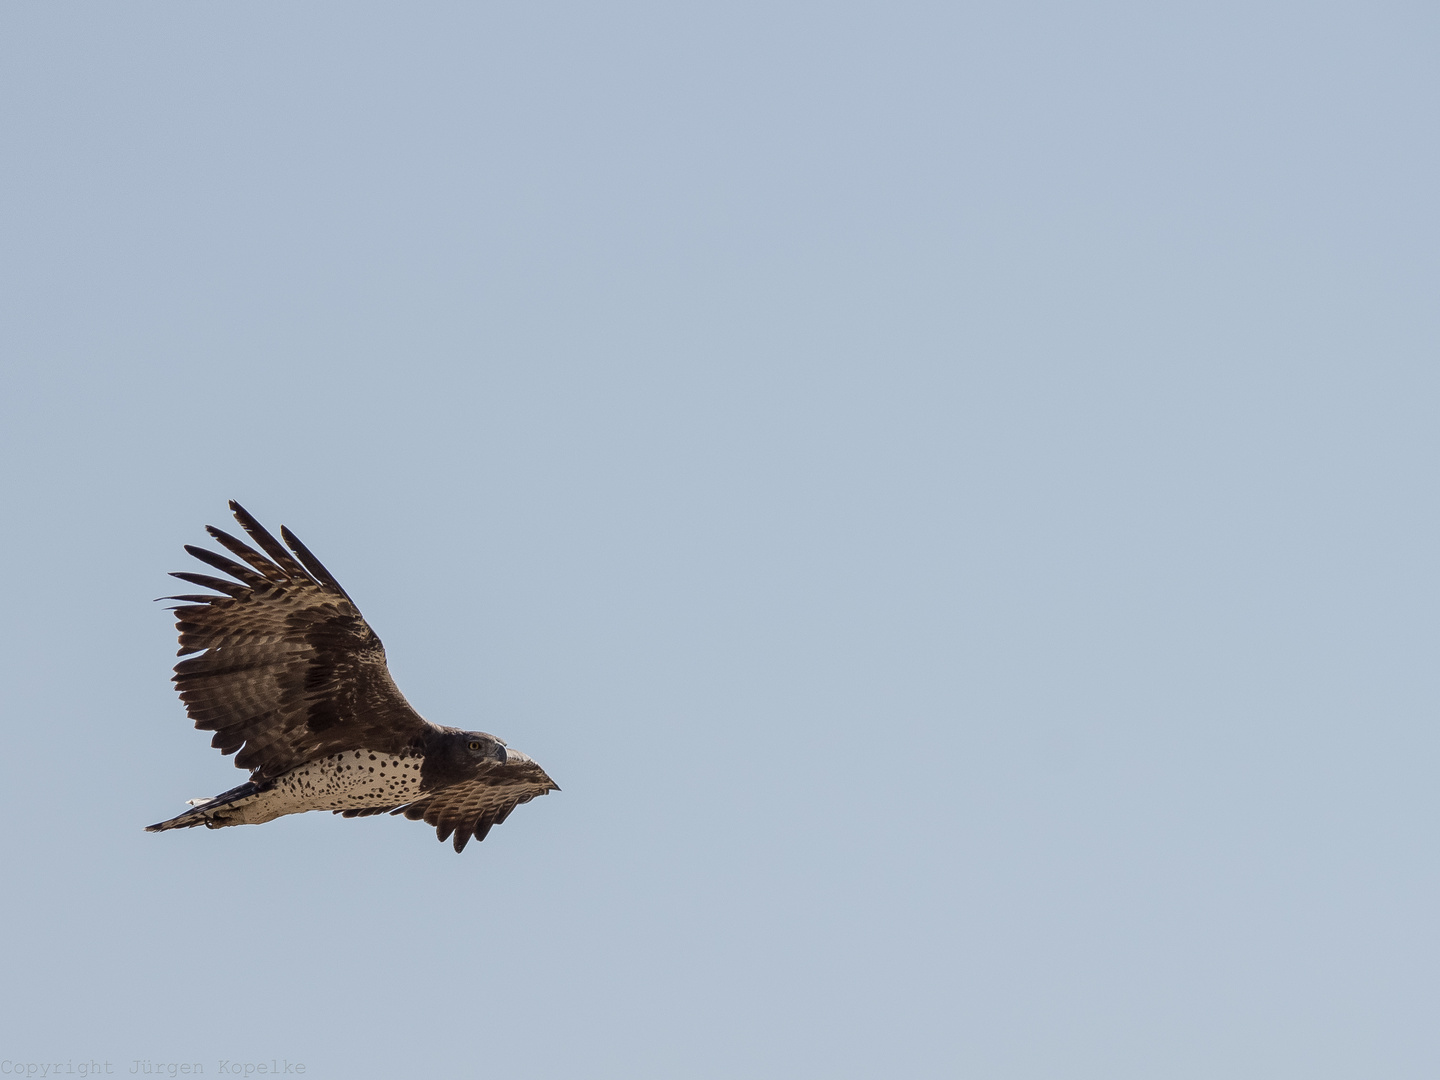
column 285, row 671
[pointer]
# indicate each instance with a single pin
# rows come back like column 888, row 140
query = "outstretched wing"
column 472, row 807
column 288, row 669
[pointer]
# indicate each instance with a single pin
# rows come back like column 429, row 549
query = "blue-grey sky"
column 949, row 491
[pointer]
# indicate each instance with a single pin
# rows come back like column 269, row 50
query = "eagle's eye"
column 474, row 746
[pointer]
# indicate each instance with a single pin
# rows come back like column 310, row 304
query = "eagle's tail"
column 205, row 811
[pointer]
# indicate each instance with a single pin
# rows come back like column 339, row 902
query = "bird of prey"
column 291, row 676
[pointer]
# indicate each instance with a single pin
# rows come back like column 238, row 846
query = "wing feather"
column 314, row 565
column 268, row 543
column 249, row 554
column 282, row 666
column 205, row 581
column 226, row 566
column 471, row 808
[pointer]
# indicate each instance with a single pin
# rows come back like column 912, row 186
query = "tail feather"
column 204, row 811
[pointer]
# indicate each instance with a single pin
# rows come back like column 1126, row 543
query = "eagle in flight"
column 290, row 675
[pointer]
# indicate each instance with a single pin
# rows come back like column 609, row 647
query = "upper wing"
column 288, row 669
column 472, row 807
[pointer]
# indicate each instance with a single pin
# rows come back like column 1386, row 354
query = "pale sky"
column 948, row 491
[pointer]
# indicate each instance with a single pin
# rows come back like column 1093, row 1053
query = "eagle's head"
column 452, row 755
column 479, row 748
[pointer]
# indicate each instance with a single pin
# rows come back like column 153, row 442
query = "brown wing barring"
column 281, row 665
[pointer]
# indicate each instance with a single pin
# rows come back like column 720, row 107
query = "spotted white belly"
column 354, row 780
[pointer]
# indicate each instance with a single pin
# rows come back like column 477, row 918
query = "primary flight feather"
column 290, row 677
